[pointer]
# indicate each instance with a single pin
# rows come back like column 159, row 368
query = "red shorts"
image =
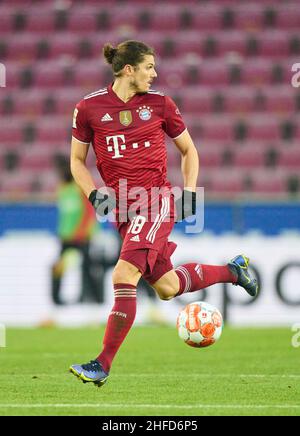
column 145, row 243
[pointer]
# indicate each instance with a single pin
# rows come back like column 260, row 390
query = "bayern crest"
column 144, row 112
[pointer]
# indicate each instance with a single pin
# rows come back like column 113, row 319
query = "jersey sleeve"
column 173, row 122
column 80, row 128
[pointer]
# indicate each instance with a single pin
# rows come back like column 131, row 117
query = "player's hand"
column 102, row 203
column 185, row 205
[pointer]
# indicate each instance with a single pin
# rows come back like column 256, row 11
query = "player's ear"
column 128, row 70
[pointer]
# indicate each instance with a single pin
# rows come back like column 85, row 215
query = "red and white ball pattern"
column 199, row 324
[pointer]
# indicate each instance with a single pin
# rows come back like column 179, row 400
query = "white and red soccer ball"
column 199, row 324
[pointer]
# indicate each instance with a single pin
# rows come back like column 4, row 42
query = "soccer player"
column 126, row 124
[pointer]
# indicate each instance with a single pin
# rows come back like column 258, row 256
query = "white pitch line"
column 62, row 374
column 155, row 406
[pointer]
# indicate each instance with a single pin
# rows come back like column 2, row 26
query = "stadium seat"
column 288, row 16
column 53, row 129
column 199, row 101
column 274, row 44
column 280, row 99
column 28, row 103
column 210, row 157
column 224, row 182
column 263, row 127
column 67, row 99
column 81, row 22
column 227, row 66
column 12, row 133
column 290, row 157
column 53, row 74
column 41, row 22
column 6, row 22
column 124, row 17
column 207, row 17
column 88, row 75
column 257, row 72
column 269, row 182
column 213, row 128
column 249, row 17
column 21, row 49
column 249, row 157
column 231, row 42
column 239, row 99
column 63, row 44
column 39, row 162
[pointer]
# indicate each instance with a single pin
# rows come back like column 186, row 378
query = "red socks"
column 193, row 276
column 119, row 323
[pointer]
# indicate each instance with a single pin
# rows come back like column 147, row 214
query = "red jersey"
column 128, row 138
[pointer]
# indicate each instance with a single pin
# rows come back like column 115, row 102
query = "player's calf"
column 167, row 286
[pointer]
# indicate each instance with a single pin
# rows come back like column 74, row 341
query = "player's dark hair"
column 128, row 52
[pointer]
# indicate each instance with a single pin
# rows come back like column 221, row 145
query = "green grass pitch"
column 248, row 372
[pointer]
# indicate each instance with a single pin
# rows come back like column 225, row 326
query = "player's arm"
column 80, row 172
column 186, row 205
column 189, row 160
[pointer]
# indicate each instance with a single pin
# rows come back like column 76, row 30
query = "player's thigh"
column 167, row 286
column 126, row 272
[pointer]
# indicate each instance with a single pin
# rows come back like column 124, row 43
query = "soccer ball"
column 199, row 324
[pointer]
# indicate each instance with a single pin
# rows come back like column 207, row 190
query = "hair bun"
column 109, row 53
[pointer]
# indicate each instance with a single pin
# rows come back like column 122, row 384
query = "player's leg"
column 125, row 279
column 194, row 276
column 121, row 318
column 57, row 272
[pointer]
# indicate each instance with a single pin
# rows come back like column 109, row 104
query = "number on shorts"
column 137, row 224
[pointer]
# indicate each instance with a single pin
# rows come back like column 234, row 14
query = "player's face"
column 144, row 74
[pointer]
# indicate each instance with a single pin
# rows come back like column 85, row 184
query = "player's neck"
column 123, row 91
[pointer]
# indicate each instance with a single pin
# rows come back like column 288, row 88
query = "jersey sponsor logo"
column 106, row 117
column 125, row 118
column 116, row 144
column 144, row 113
column 116, row 147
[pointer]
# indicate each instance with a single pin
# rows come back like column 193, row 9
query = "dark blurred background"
column 227, row 64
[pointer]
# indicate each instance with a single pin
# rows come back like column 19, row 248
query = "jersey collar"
column 114, row 96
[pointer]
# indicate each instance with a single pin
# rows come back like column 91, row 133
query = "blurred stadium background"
column 228, row 65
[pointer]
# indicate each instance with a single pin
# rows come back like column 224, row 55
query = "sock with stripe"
column 195, row 276
column 119, row 323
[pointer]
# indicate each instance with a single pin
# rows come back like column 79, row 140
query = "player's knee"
column 119, row 275
column 124, row 273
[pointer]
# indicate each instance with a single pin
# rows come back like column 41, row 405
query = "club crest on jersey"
column 125, row 117
column 144, row 112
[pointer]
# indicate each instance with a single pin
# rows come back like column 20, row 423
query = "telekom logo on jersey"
column 120, row 145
